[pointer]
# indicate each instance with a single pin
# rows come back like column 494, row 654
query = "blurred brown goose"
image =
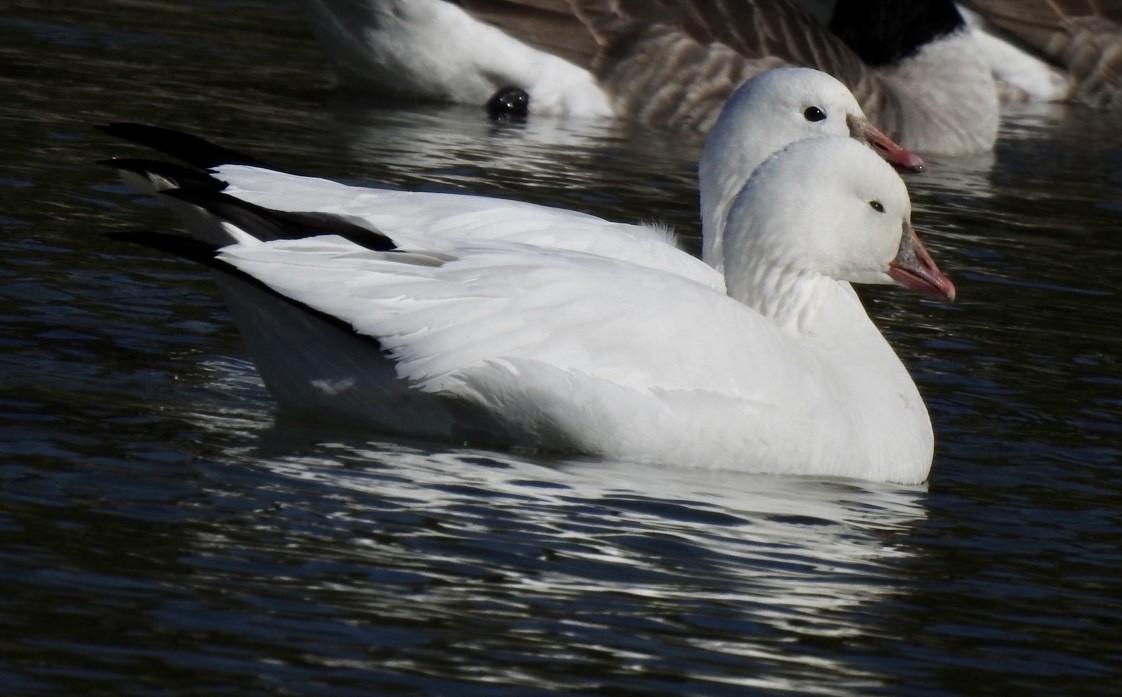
column 912, row 64
column 1079, row 40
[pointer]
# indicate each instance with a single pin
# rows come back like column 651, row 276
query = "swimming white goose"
column 519, row 344
column 913, row 64
column 1079, row 42
column 767, row 113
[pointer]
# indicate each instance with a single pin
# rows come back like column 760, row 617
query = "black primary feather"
column 198, row 187
column 176, row 245
column 191, row 149
column 267, row 224
column 178, row 175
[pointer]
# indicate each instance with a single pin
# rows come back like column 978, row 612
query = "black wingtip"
column 267, row 224
column 176, row 245
column 191, row 149
column 176, row 175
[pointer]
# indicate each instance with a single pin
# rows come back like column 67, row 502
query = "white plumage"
column 434, row 326
column 565, row 350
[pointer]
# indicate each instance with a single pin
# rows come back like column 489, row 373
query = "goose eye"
column 876, row 206
column 813, row 113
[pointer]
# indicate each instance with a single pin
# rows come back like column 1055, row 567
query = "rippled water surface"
column 164, row 532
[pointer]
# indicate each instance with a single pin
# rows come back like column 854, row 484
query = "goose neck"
column 793, row 298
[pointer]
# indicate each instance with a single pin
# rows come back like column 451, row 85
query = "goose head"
column 768, row 112
column 823, row 210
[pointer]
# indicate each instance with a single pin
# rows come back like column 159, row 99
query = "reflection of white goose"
column 916, row 70
column 524, row 344
column 788, row 557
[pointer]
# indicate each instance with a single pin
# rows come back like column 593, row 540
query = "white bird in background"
column 913, row 64
column 435, row 330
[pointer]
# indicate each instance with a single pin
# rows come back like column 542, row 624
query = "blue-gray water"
column 163, row 532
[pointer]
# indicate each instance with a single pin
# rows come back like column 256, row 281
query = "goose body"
column 670, row 63
column 772, row 366
column 1055, row 50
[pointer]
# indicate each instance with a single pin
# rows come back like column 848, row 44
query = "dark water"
column 162, row 532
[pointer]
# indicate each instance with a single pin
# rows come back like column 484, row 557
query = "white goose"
column 767, row 113
column 913, row 64
column 520, row 344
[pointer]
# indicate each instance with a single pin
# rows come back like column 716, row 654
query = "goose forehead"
column 804, row 87
column 831, row 167
column 867, row 175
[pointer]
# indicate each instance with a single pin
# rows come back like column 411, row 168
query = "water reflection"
column 556, row 558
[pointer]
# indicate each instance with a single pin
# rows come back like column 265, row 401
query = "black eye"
column 813, row 113
column 876, row 206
